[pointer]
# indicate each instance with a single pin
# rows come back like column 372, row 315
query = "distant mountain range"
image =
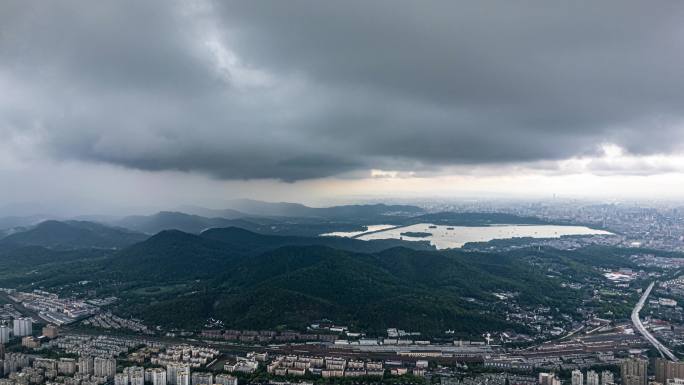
column 283, row 209
column 307, row 221
column 212, row 213
column 118, row 233
column 166, row 220
column 8, row 223
column 266, row 218
column 271, row 218
column 239, row 208
column 71, row 235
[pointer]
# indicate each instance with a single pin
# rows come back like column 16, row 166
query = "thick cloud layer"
column 305, row 89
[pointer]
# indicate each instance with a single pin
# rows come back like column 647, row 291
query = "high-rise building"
column 548, row 379
column 66, row 366
column 22, row 327
column 4, row 334
column 171, row 370
column 183, row 376
column 607, row 377
column 121, row 379
column 592, row 378
column 157, row 376
column 104, row 367
column 633, row 371
column 135, row 375
column 668, row 370
column 577, row 377
column 45, row 363
column 85, row 365
column 202, row 378
column 14, row 362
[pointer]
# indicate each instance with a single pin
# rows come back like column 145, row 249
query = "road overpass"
column 662, row 349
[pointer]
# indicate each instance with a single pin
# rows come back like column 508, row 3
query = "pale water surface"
column 448, row 237
column 351, row 234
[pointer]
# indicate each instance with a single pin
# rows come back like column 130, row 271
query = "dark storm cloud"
column 302, row 89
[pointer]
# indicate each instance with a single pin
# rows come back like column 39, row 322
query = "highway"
column 662, row 349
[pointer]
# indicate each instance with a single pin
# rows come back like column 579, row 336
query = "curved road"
column 662, row 349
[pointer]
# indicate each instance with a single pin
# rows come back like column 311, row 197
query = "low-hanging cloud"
column 303, row 89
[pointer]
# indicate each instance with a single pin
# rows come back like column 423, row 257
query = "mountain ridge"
column 72, row 235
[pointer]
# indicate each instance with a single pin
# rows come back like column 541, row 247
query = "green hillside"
column 255, row 281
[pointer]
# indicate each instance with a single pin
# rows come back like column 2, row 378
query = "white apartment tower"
column 158, row 376
column 104, row 367
column 85, row 365
column 4, row 334
column 136, row 375
column 577, row 377
column 183, row 376
column 22, row 327
column 121, row 379
column 592, row 378
column 607, row 377
column 225, row 379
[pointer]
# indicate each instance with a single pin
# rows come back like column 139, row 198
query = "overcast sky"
column 138, row 103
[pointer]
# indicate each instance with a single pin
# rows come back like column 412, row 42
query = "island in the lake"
column 416, row 234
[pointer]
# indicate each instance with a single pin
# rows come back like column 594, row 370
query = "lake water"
column 445, row 238
column 350, row 234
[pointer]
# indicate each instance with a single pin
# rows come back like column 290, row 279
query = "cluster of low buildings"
column 540, row 318
column 490, row 379
column 242, row 365
column 107, row 320
column 331, row 366
column 104, row 346
column 173, row 374
column 632, row 371
column 28, row 369
column 52, row 308
column 186, row 355
column 568, row 242
column 8, row 312
column 96, row 363
column 25, row 369
column 266, row 336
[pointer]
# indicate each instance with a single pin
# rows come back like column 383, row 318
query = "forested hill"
column 173, row 254
column 256, row 281
column 72, row 235
column 220, row 274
